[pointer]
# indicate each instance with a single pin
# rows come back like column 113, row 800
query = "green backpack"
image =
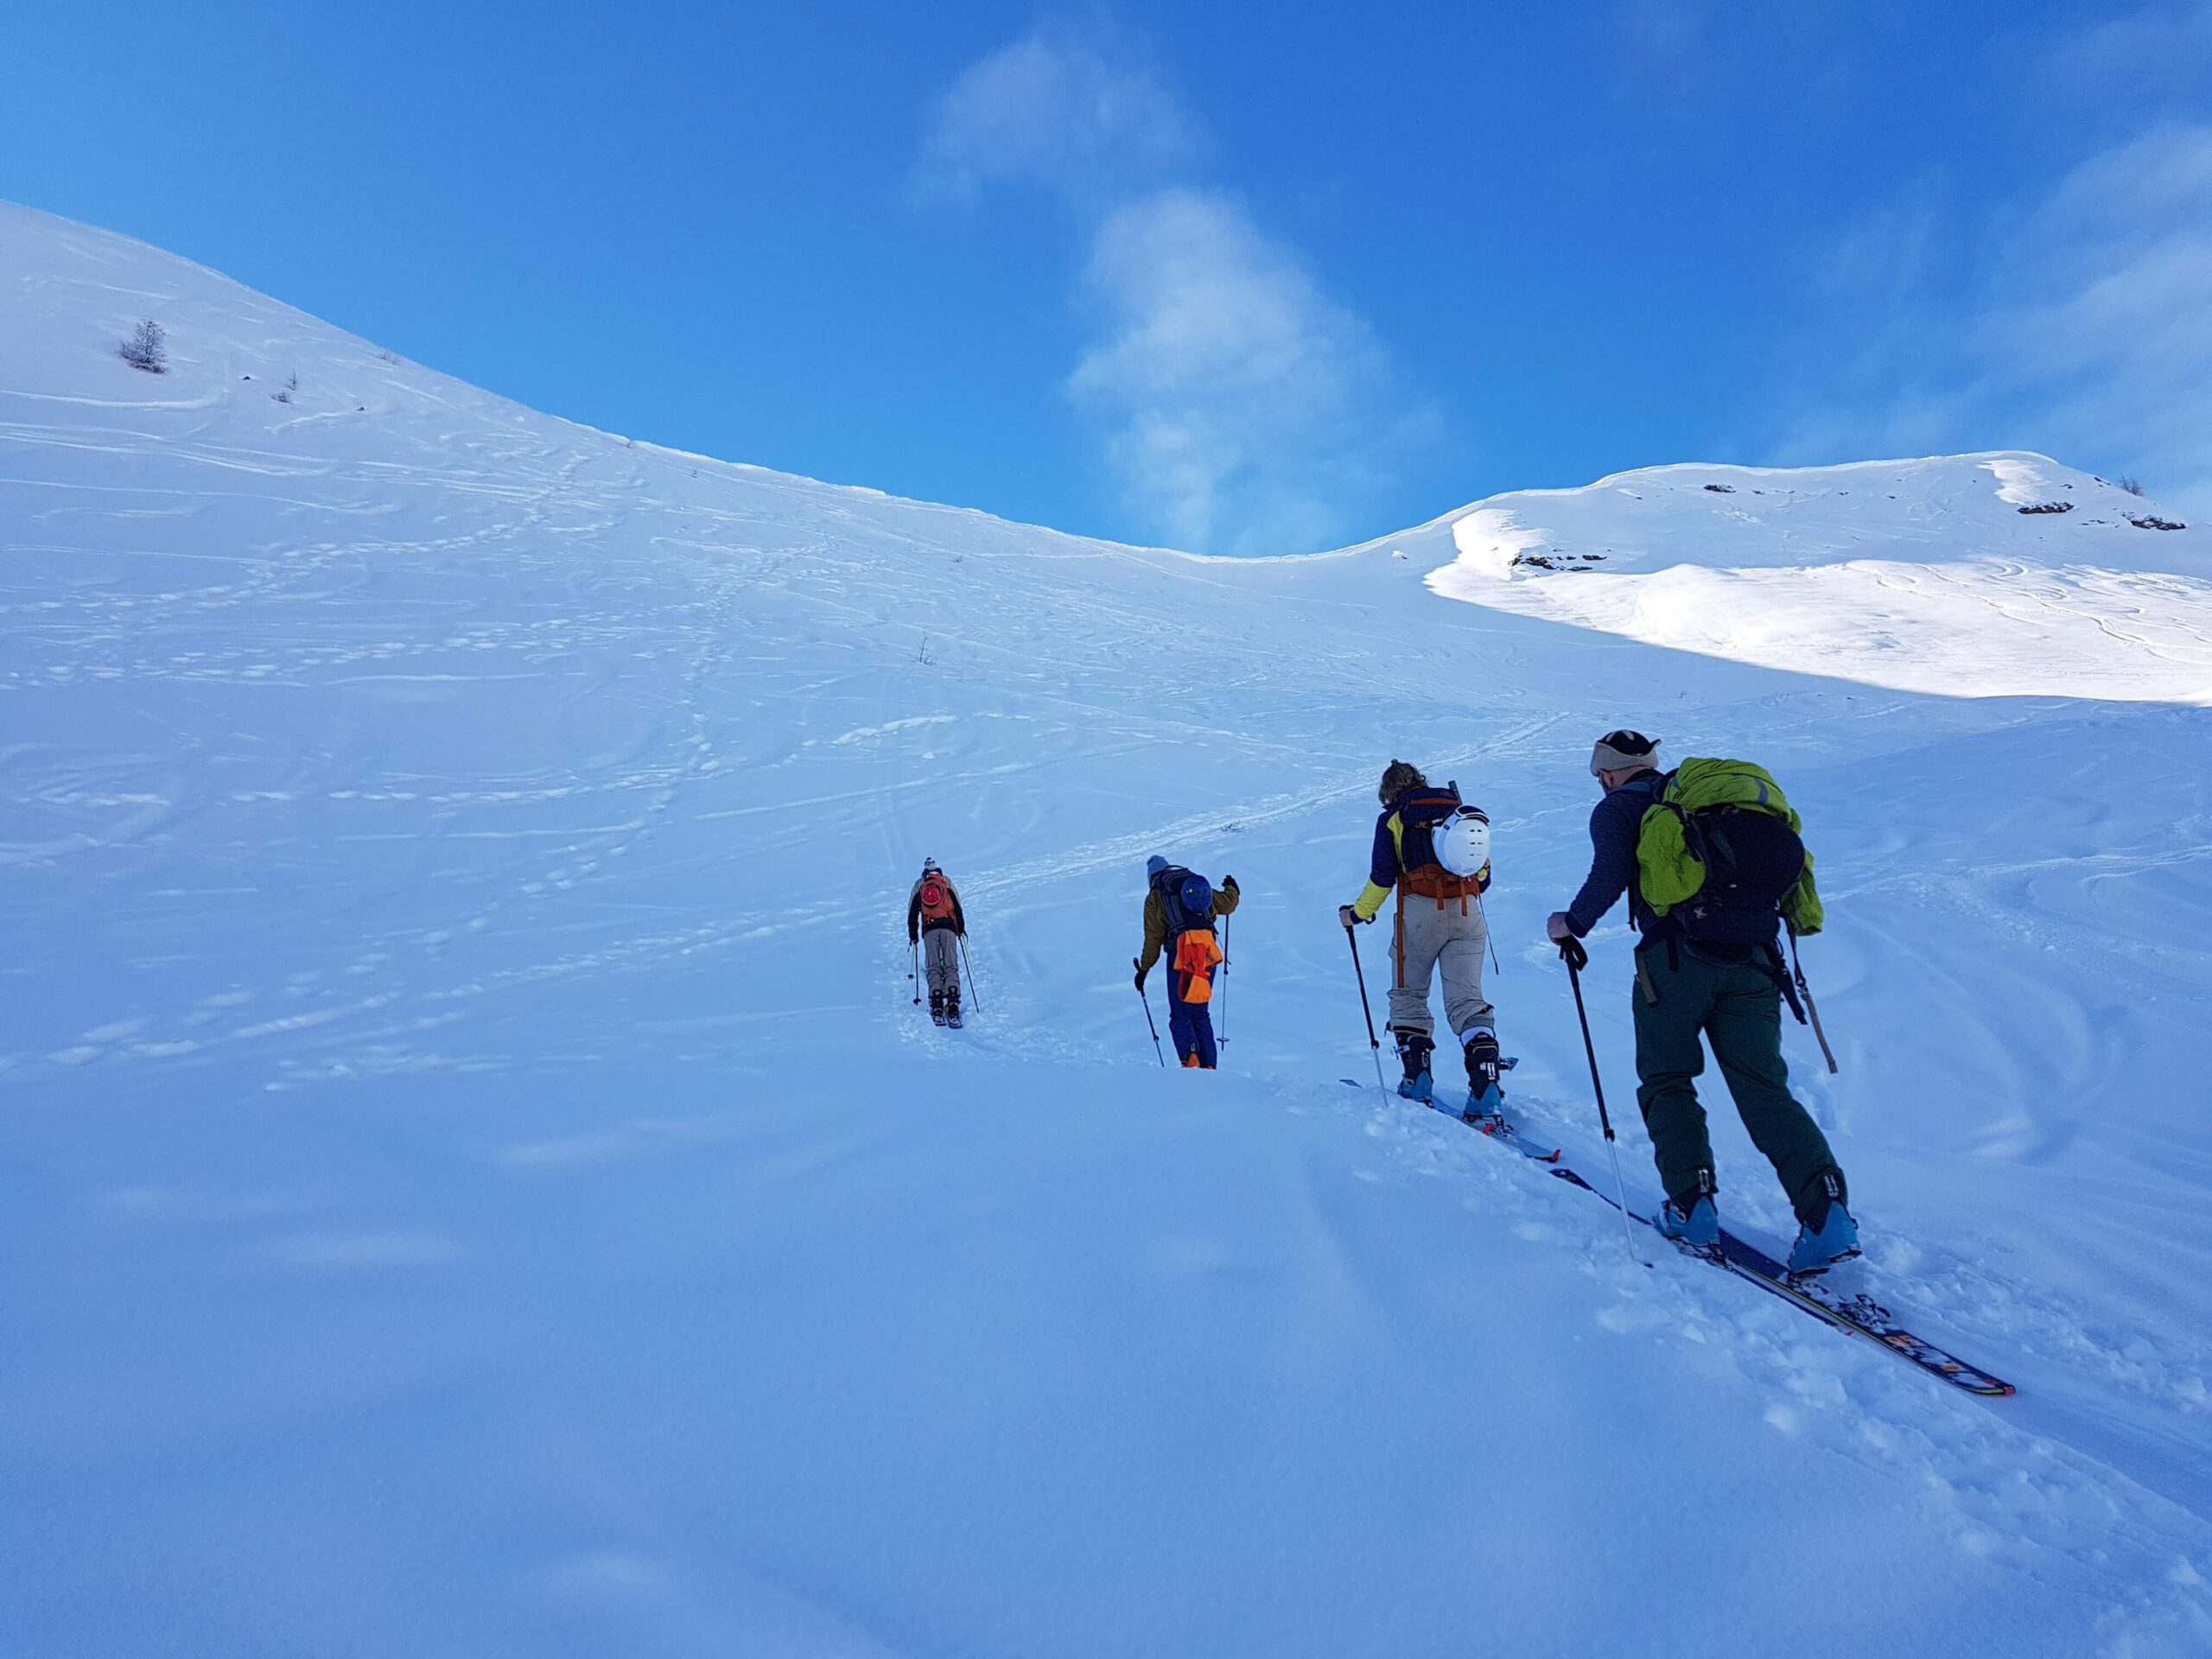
column 1721, row 846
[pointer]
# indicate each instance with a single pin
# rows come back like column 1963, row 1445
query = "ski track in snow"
column 457, row 858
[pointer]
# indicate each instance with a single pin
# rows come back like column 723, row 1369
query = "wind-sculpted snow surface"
column 475, row 1181
column 1963, row 577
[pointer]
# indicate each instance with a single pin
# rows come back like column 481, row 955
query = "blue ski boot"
column 1699, row 1229
column 1414, row 1050
column 1836, row 1239
column 1485, row 1100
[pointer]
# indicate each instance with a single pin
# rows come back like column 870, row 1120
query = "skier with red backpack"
column 1179, row 908
column 935, row 921
column 1435, row 850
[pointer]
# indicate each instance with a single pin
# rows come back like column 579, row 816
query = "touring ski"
column 1496, row 1125
column 1854, row 1315
column 1857, row 1315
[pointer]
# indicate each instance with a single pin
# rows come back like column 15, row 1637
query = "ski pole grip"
column 1571, row 953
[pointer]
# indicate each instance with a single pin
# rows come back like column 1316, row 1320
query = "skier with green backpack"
column 1711, row 859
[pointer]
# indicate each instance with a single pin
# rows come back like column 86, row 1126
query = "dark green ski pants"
column 1738, row 1010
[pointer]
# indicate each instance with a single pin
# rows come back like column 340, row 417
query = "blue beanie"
column 1153, row 865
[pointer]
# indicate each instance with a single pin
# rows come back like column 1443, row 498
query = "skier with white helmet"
column 1435, row 850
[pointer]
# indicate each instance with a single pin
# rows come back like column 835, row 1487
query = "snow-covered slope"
column 474, row 1181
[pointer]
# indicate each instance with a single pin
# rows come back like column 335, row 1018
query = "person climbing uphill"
column 1179, row 908
column 1435, row 851
column 935, row 918
column 1706, row 963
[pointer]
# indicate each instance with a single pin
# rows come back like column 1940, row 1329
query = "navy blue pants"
column 1191, row 1024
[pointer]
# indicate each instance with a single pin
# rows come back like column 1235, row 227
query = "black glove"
column 1230, row 882
column 1139, row 966
column 1573, row 955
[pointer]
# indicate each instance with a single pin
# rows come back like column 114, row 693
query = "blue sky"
column 1243, row 277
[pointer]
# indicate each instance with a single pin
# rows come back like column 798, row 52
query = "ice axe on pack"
column 1805, row 991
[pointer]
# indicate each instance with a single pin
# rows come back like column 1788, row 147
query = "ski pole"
column 1154, row 1029
column 914, row 971
column 1811, row 1008
column 969, row 963
column 1488, row 938
column 1367, row 1012
column 1576, row 958
column 1225, row 983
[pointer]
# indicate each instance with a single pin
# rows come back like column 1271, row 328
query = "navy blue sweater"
column 1615, row 824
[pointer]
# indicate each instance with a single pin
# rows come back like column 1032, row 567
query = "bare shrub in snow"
column 290, row 386
column 2129, row 482
column 147, row 348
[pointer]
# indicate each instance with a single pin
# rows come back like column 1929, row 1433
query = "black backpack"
column 1168, row 884
column 1418, row 816
column 1751, row 862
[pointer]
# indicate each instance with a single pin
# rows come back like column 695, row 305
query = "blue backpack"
column 1186, row 897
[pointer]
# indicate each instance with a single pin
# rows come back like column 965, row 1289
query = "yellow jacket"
column 1388, row 863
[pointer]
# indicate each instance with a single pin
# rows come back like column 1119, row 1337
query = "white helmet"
column 1462, row 842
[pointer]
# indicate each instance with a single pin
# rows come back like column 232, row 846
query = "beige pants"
column 1427, row 938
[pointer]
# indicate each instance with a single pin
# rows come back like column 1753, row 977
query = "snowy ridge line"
column 2003, row 575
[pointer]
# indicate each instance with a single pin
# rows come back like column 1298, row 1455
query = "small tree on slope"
column 147, row 348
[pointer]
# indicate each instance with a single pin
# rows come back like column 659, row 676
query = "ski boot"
column 1414, row 1050
column 937, row 1007
column 952, row 1010
column 1485, row 1100
column 1696, row 1227
column 1836, row 1239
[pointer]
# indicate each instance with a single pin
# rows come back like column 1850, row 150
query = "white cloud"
column 1078, row 113
column 2079, row 323
column 2160, row 51
column 1239, row 409
column 1242, row 408
column 2108, row 320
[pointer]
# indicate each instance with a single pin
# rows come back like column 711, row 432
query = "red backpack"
column 936, row 898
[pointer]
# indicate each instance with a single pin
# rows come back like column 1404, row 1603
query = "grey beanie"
column 1153, row 865
column 1623, row 751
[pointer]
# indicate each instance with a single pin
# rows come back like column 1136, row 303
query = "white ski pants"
column 1427, row 937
